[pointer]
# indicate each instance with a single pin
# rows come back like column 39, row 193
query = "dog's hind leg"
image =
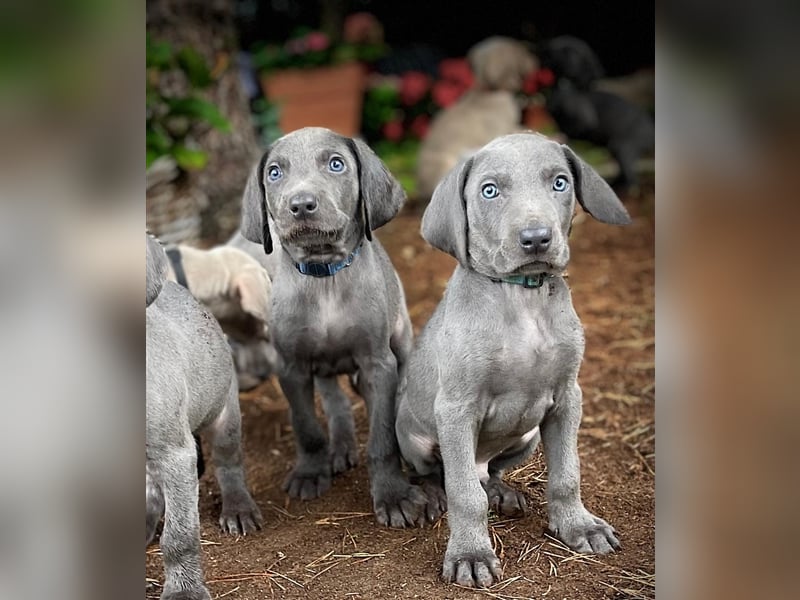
column 239, row 512
column 341, row 427
column 311, row 476
column 180, row 540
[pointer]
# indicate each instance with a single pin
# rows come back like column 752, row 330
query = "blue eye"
column 274, row 173
column 560, row 184
column 489, row 191
column 336, row 164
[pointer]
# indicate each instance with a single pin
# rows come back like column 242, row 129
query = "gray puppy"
column 337, row 306
column 499, row 359
column 191, row 386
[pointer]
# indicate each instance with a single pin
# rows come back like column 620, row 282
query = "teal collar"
column 327, row 269
column 526, row 281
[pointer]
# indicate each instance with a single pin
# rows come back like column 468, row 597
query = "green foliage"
column 401, row 160
column 307, row 49
column 171, row 120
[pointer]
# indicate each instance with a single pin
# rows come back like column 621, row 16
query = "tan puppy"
column 488, row 111
column 238, row 291
column 228, row 281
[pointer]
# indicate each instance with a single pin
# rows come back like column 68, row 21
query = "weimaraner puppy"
column 337, row 307
column 499, row 359
column 191, row 386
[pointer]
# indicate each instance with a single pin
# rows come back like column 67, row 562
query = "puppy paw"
column 479, row 568
column 505, row 500
column 344, row 455
column 240, row 515
column 399, row 504
column 309, row 479
column 199, row 593
column 586, row 533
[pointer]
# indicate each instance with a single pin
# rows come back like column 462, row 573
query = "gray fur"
column 191, row 386
column 353, row 322
column 498, row 363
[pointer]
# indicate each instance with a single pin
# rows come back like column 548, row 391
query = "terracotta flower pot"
column 321, row 97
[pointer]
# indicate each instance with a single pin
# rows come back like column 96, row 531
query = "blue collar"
column 327, row 269
column 526, row 281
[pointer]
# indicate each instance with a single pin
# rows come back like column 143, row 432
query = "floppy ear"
column 255, row 225
column 254, row 289
column 380, row 195
column 594, row 194
column 444, row 223
column 155, row 268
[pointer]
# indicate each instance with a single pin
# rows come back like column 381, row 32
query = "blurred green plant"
column 401, row 160
column 307, row 48
column 171, row 120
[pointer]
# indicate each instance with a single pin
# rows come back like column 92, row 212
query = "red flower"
column 531, row 84
column 456, row 70
column 413, row 87
column 545, row 77
column 446, row 93
column 420, row 125
column 316, row 41
column 393, row 130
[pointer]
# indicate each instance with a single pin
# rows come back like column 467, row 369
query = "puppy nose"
column 303, row 205
column 535, row 239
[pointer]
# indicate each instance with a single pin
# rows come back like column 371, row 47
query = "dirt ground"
column 332, row 547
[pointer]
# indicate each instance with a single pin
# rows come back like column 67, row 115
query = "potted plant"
column 318, row 82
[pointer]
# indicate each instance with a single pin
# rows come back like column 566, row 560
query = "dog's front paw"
column 477, row 568
column 505, row 500
column 586, row 533
column 240, row 514
column 399, row 504
column 198, row 593
column 309, row 479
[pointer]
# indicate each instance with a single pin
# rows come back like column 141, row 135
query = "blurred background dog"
column 500, row 65
column 237, row 290
column 586, row 109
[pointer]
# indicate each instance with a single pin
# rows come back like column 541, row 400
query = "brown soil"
column 333, row 548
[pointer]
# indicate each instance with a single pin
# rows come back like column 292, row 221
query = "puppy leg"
column 180, row 540
column 396, row 502
column 240, row 515
column 469, row 559
column 311, row 476
column 626, row 154
column 341, row 427
column 154, row 502
column 569, row 519
column 504, row 499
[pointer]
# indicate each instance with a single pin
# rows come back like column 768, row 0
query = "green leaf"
column 188, row 158
column 195, row 67
column 157, row 139
column 152, row 155
column 197, row 108
column 158, row 54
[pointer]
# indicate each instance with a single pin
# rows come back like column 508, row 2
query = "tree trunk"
column 208, row 27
